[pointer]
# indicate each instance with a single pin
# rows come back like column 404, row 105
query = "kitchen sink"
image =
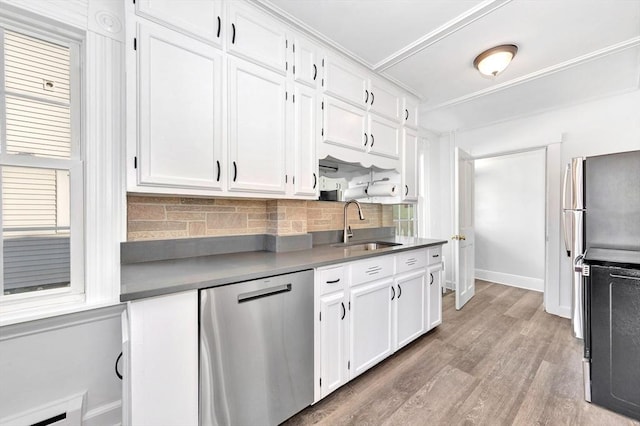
column 366, row 245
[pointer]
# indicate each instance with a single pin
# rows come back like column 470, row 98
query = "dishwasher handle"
column 265, row 292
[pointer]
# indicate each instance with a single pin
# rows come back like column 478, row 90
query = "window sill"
column 8, row 317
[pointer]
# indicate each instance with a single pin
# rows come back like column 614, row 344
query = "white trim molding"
column 528, row 283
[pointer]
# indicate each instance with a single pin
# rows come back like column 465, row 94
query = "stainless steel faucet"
column 347, row 229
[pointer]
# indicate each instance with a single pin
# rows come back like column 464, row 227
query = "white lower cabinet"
column 162, row 376
column 370, row 325
column 410, row 306
column 368, row 309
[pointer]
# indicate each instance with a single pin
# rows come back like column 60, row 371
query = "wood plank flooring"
column 499, row 361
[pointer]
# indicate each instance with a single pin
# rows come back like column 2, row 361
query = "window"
column 404, row 218
column 41, row 169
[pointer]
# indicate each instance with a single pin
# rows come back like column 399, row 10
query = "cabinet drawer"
column 372, row 269
column 331, row 279
column 435, row 255
column 409, row 260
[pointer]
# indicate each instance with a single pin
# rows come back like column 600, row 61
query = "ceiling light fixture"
column 493, row 61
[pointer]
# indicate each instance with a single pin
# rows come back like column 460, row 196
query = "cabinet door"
column 385, row 101
column 306, row 65
column 370, row 334
column 179, row 81
column 344, row 125
column 410, row 306
column 345, row 81
column 334, row 348
column 199, row 18
column 410, row 113
column 303, row 143
column 384, row 137
column 257, row 136
column 256, row 36
column 164, row 360
column 434, row 297
column 409, row 165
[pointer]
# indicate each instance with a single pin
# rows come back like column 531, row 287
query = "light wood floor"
column 499, row 361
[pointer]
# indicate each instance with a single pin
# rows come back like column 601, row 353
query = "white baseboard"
column 528, row 283
column 107, row 414
column 561, row 311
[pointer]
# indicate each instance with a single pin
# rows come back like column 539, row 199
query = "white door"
column 179, row 81
column 201, row 18
column 303, row 143
column 334, row 350
column 434, row 296
column 463, row 240
column 410, row 306
column 257, row 122
column 344, row 125
column 409, row 165
column 384, row 137
column 306, row 64
column 385, row 100
column 256, row 36
column 370, row 336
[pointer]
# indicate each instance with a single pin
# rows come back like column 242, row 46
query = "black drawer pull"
column 315, row 180
column 218, row 176
column 315, row 72
column 366, row 139
column 399, row 291
column 406, row 190
column 431, row 275
column 394, row 293
column 372, row 140
column 406, row 114
column 219, row 25
column 366, row 99
column 436, row 255
column 333, row 281
column 344, row 311
column 233, row 33
column 372, row 97
column 235, row 171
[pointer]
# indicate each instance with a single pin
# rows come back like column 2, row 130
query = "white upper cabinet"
column 179, row 82
column 256, row 36
column 302, row 150
column 383, row 137
column 257, row 128
column 344, row 125
column 307, row 64
column 198, row 18
column 385, row 100
column 410, row 112
column 409, row 173
column 344, row 80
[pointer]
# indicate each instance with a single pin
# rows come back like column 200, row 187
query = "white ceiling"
column 570, row 51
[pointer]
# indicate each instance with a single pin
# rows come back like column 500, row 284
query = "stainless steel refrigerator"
column 601, row 218
column 573, row 228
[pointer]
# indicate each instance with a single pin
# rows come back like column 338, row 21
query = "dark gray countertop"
column 160, row 277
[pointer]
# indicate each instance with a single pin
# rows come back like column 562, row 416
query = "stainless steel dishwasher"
column 256, row 350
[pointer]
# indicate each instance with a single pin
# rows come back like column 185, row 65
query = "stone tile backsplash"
column 159, row 217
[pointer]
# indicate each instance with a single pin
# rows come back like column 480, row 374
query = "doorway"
column 510, row 202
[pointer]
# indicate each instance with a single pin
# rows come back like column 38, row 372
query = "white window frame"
column 74, row 293
column 102, row 187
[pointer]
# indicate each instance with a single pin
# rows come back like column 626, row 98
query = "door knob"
column 459, row 237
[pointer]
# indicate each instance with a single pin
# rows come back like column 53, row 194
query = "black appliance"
column 611, row 286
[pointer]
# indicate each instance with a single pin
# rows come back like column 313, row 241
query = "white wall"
column 604, row 126
column 510, row 219
column 48, row 360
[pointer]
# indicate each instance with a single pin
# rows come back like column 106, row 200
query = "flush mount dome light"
column 493, row 61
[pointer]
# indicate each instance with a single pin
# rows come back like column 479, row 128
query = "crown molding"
column 454, row 25
column 597, row 54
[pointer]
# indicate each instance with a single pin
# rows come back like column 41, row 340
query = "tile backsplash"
column 163, row 217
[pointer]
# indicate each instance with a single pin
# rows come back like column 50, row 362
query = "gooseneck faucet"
column 347, row 229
